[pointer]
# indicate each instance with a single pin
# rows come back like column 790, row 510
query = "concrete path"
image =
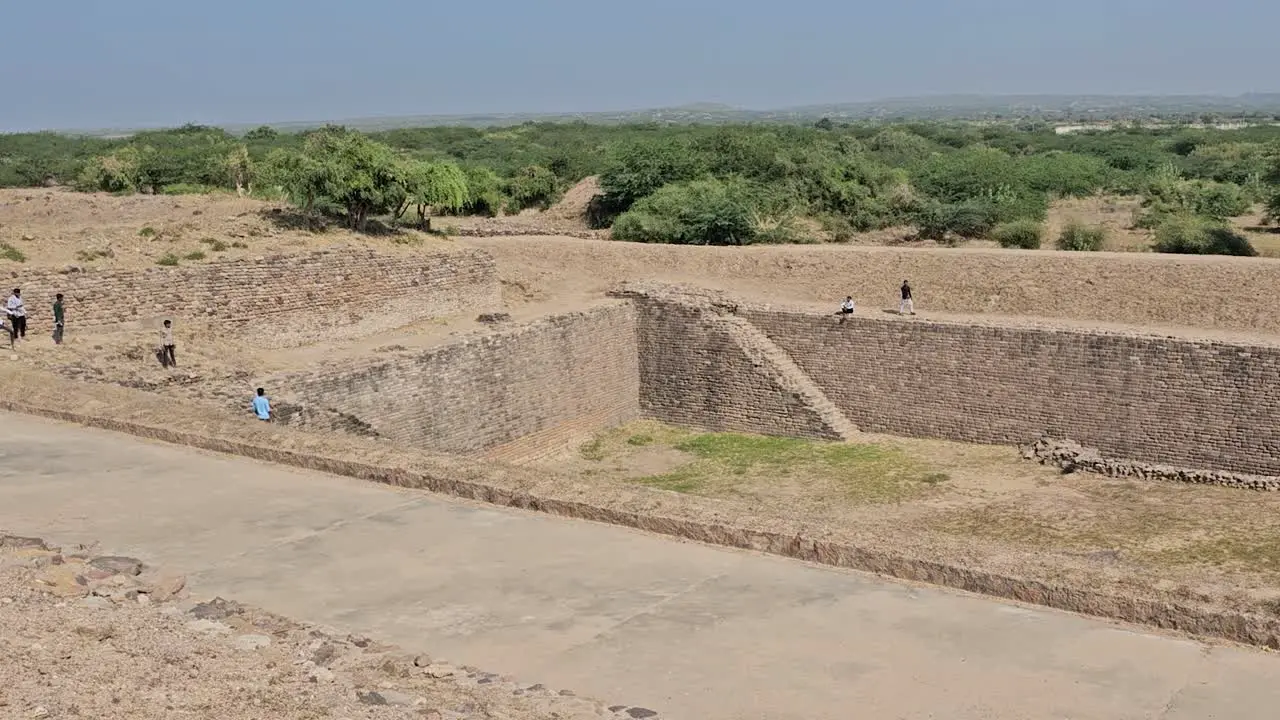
column 698, row 633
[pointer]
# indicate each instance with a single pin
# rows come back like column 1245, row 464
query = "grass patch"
column 96, row 254
column 593, row 449
column 240, row 245
column 737, row 464
column 167, row 260
column 214, row 244
column 195, row 255
column 1257, row 551
column 9, row 252
column 147, row 232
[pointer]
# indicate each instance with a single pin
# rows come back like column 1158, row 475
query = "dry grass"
column 981, row 503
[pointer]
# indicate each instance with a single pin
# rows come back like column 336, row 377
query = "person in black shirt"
column 906, row 306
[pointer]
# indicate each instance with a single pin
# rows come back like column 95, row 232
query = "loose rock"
column 117, row 564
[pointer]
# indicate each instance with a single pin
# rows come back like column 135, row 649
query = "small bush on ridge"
column 1197, row 236
column 1024, row 234
column 1077, row 236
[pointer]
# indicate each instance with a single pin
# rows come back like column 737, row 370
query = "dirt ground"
column 59, row 227
column 89, row 635
column 976, row 500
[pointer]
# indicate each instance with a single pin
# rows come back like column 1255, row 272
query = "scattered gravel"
column 85, row 636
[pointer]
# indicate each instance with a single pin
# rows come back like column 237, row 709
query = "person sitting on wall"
column 846, row 308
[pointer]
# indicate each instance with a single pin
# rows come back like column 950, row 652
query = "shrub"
column 938, row 221
column 194, row 255
column 167, row 260
column 1273, row 209
column 1024, row 234
column 147, row 232
column 214, row 244
column 240, row 245
column 702, row 212
column 533, row 186
column 9, row 252
column 1076, row 236
column 1197, row 236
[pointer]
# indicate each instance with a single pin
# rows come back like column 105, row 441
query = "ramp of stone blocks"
column 774, row 361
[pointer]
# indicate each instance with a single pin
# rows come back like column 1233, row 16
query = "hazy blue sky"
column 93, row 63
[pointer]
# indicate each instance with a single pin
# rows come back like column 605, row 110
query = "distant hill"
column 1062, row 108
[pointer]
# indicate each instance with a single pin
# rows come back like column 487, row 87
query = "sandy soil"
column 79, row 641
column 59, row 227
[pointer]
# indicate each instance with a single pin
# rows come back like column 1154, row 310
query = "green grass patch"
column 147, row 232
column 214, row 244
column 167, row 260
column 9, row 252
column 240, row 245
column 195, row 255
column 732, row 463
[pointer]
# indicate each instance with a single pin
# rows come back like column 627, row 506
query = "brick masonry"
column 549, row 381
column 1159, row 399
column 277, row 300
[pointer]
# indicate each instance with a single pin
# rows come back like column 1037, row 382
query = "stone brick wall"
column 1166, row 400
column 554, row 379
column 282, row 299
column 693, row 372
column 1159, row 399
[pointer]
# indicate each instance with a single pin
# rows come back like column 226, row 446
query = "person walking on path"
column 906, row 306
column 17, row 313
column 59, row 319
column 168, row 358
column 262, row 406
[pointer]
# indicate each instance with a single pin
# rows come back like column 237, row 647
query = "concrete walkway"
column 698, row 633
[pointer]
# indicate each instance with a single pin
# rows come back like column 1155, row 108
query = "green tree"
column 240, row 169
column 116, row 173
column 701, row 212
column 261, row 133
column 428, row 185
column 339, row 171
column 484, row 192
column 532, row 186
column 639, row 168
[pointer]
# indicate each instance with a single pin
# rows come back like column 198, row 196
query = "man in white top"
column 846, row 308
column 17, row 313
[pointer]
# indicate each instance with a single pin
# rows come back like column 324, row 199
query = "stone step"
column 766, row 355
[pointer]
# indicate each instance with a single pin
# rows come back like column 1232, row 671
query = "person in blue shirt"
column 262, row 406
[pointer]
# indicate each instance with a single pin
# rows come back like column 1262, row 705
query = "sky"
column 87, row 64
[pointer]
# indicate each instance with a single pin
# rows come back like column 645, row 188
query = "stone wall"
column 553, row 379
column 1196, row 404
column 279, row 300
column 693, row 372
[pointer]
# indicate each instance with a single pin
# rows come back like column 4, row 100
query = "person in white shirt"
column 846, row 308
column 17, row 313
